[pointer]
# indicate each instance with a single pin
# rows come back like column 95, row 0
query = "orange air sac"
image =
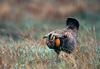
column 57, row 42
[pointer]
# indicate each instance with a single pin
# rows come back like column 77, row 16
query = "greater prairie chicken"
column 64, row 40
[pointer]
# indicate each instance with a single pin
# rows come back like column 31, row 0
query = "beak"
column 45, row 36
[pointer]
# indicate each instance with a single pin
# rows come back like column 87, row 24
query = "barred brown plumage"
column 65, row 40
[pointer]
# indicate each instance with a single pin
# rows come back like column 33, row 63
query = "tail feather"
column 72, row 23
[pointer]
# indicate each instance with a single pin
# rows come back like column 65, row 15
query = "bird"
column 64, row 40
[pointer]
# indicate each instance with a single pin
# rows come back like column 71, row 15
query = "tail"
column 72, row 23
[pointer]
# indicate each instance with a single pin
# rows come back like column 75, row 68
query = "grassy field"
column 34, row 54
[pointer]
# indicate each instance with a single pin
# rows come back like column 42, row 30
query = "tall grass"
column 32, row 54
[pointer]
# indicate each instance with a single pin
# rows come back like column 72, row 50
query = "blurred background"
column 34, row 18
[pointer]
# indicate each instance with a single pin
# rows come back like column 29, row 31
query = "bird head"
column 52, row 39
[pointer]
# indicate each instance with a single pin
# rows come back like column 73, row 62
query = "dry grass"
column 29, row 54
